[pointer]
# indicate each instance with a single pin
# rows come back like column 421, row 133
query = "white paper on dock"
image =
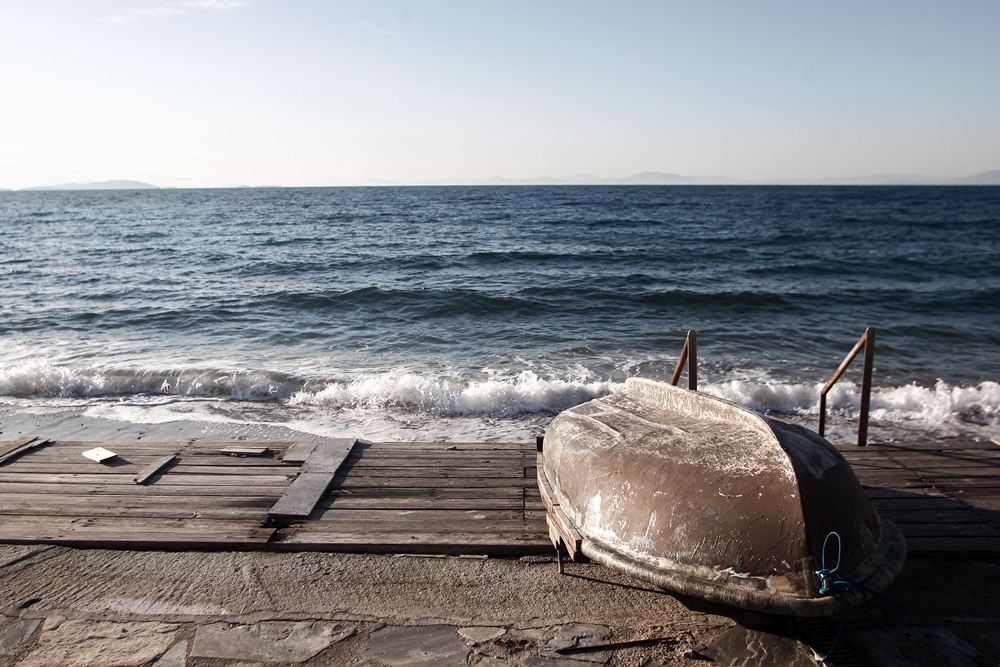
column 99, row 454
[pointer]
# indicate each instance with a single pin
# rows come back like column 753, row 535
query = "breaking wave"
column 940, row 410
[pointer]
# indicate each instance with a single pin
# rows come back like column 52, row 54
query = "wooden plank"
column 255, row 515
column 126, row 532
column 318, row 471
column 300, row 499
column 346, row 502
column 193, row 491
column 328, row 455
column 447, row 446
column 493, row 544
column 127, row 475
column 429, row 492
column 988, row 547
column 557, row 519
column 298, row 453
column 20, row 447
column 926, row 516
column 11, row 503
column 412, row 516
column 153, row 468
column 16, row 445
column 442, row 472
column 245, row 450
column 417, row 456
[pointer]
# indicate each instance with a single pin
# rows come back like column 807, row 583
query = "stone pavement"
column 64, row 607
column 89, row 643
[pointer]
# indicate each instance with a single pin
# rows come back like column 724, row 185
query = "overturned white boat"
column 705, row 498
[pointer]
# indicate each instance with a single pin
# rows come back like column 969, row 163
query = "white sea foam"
column 398, row 404
column 43, row 379
column 521, row 395
column 943, row 410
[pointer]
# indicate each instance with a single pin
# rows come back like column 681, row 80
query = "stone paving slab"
column 15, row 633
column 756, row 648
column 176, row 656
column 427, row 646
column 578, row 636
column 81, row 643
column 268, row 641
column 480, row 635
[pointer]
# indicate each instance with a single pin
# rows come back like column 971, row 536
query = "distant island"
column 639, row 178
column 661, row 178
column 102, row 185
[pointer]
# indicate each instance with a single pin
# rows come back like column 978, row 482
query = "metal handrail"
column 867, row 341
column 690, row 355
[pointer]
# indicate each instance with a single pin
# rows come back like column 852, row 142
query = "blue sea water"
column 479, row 312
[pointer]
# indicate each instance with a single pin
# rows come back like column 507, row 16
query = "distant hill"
column 102, row 185
column 661, row 178
column 985, row 178
column 640, row 178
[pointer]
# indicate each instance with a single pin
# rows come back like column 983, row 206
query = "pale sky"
column 192, row 93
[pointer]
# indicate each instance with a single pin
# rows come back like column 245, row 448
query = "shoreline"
column 67, row 607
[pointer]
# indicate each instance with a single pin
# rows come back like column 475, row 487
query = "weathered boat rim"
column 759, row 600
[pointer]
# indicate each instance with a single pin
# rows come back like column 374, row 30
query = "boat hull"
column 705, row 498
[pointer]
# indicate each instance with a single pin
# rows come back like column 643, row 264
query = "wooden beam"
column 298, row 453
column 153, row 468
column 327, row 456
column 317, row 471
column 557, row 519
column 20, row 446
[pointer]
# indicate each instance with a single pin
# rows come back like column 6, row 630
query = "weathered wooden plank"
column 254, row 515
column 442, row 472
column 298, row 453
column 417, row 456
column 128, row 472
column 957, row 530
column 300, row 499
column 350, row 482
column 126, row 532
column 328, row 455
column 434, row 464
column 182, row 505
column 129, row 489
column 245, row 450
column 20, row 447
column 929, row 516
column 557, row 520
column 16, row 445
column 448, row 446
column 449, row 518
column 470, row 503
column 430, row 492
column 153, row 468
column 493, row 544
column 317, row 472
column 978, row 547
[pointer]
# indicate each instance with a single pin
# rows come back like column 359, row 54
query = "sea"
column 476, row 314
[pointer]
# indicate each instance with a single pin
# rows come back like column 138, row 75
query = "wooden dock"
column 449, row 498
column 432, row 498
column 944, row 496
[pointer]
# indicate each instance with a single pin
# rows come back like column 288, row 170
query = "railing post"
column 689, row 353
column 866, row 387
column 867, row 341
column 692, row 343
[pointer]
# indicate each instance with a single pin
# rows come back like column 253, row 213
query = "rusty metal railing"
column 866, row 342
column 690, row 355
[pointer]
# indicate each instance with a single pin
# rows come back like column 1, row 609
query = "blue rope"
column 828, row 579
column 831, row 583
